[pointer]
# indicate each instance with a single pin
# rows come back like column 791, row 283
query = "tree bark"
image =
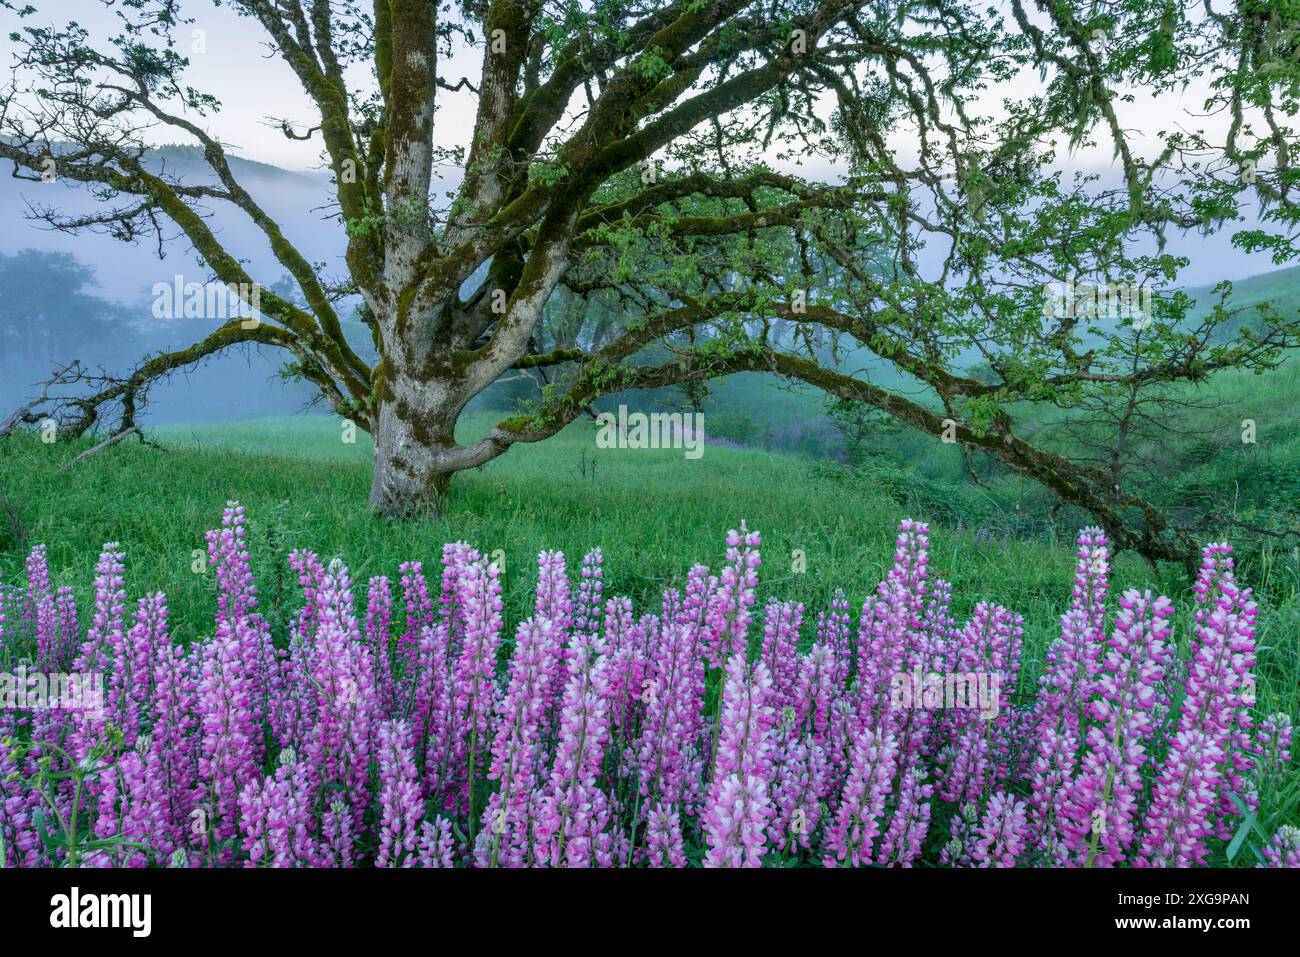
column 412, row 433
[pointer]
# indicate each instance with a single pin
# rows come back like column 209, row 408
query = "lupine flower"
column 572, row 811
column 857, row 821
column 399, row 796
column 664, row 837
column 1002, row 832
column 779, row 650
column 590, row 601
column 1200, row 770
column 911, row 820
column 1284, row 850
column 728, row 612
column 745, row 722
column 228, row 747
column 437, row 847
column 475, row 669
column 668, row 757
column 1102, row 800
column 833, row 632
column 379, row 617
column 515, row 747
column 736, row 822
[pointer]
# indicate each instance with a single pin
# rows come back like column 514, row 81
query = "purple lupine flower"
column 664, row 837
column 110, row 608
column 799, row 773
column 437, row 846
column 554, row 604
column 1101, row 803
column 38, row 579
column 227, row 753
column 310, row 575
column 475, row 669
column 228, row 554
column 695, row 603
column 833, row 631
column 1284, row 849
column 419, row 610
column 727, row 614
column 131, row 681
column 857, row 820
column 988, row 647
column 746, row 721
column 172, row 769
column 18, row 802
column 340, row 671
column 736, row 822
column 816, row 691
column 432, row 710
column 338, row 844
column 781, row 622
column 399, row 797
column 1002, row 834
column 552, row 596
column 47, row 633
column 103, row 638
column 521, row 714
column 962, row 836
column 276, row 817
column 669, row 757
column 119, row 813
column 628, row 673
column 379, row 633
column 911, row 820
column 572, row 811
column 1176, row 826
column 1215, row 719
column 889, row 635
column 591, row 589
column 1050, row 778
column 1073, row 661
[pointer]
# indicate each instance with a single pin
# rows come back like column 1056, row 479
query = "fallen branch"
column 103, row 445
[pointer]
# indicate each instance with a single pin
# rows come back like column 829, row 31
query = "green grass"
column 653, row 513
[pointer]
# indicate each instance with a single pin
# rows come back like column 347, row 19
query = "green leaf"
column 1243, row 829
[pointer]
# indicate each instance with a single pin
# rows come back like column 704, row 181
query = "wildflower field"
column 417, row 721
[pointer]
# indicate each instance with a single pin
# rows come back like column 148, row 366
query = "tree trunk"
column 415, row 427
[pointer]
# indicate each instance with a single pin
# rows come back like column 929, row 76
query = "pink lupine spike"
column 1101, row 803
column 727, row 614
